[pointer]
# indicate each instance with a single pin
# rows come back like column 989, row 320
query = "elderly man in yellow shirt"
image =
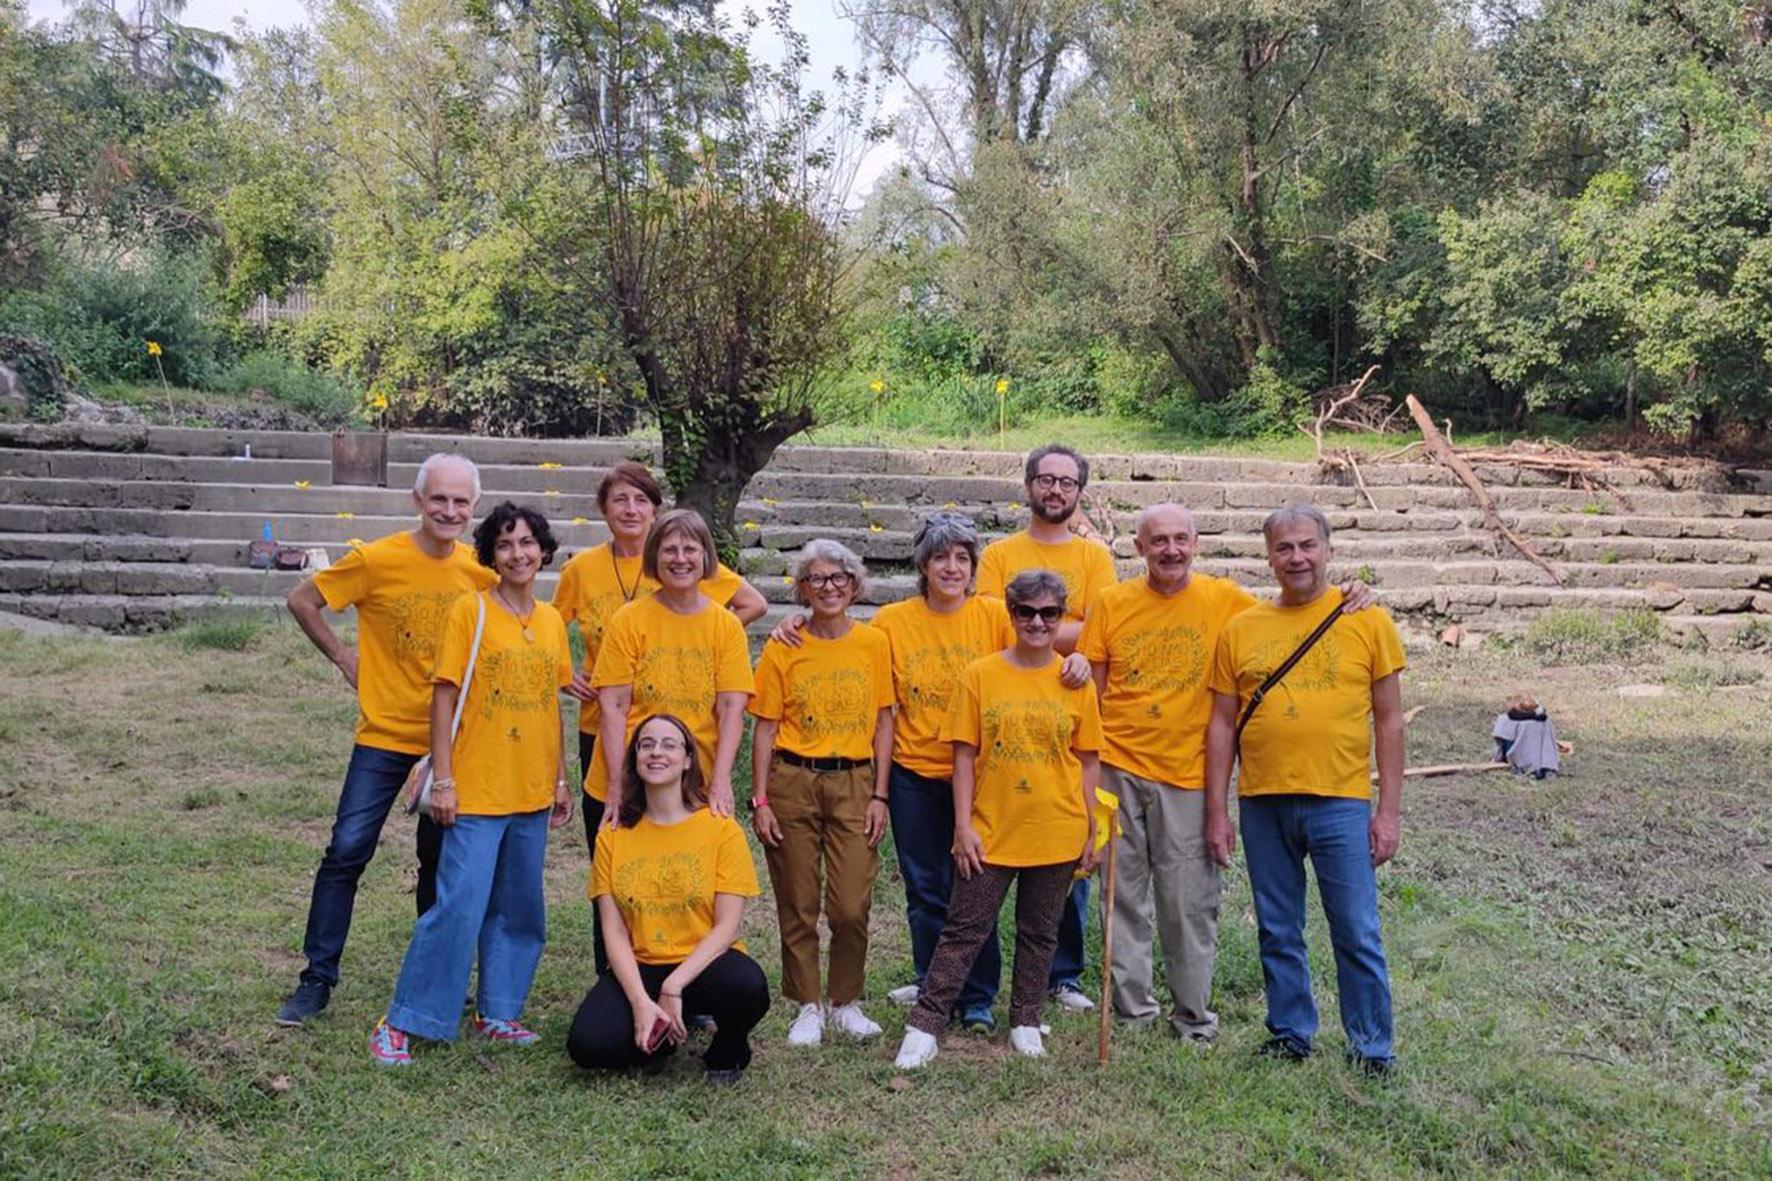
column 403, row 587
column 1150, row 642
column 1306, row 744
column 1055, row 476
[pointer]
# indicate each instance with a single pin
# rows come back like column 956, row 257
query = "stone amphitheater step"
column 132, row 527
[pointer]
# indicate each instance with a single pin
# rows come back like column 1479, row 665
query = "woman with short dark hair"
column 498, row 784
column 670, row 879
column 1025, row 773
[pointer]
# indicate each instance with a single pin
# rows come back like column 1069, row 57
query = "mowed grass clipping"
column 1582, row 968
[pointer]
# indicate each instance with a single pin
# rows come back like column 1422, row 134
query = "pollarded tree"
column 694, row 212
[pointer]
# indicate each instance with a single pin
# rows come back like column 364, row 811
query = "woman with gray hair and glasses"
column 822, row 746
column 933, row 637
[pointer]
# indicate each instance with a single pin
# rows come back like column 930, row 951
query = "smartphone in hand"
column 661, row 1027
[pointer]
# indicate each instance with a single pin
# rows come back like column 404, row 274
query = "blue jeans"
column 922, row 812
column 1279, row 832
column 489, row 899
column 1067, row 961
column 372, row 781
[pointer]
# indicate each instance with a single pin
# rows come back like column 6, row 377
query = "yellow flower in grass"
column 304, row 485
column 877, row 385
column 1002, row 386
column 154, row 349
column 377, row 401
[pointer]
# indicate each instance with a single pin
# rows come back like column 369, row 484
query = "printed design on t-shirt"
column 674, row 678
column 1165, row 659
column 595, row 617
column 832, row 703
column 517, row 680
column 661, row 887
column 929, row 674
column 1029, row 732
column 417, row 619
column 1318, row 672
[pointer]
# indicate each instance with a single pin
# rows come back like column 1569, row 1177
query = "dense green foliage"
column 1198, row 213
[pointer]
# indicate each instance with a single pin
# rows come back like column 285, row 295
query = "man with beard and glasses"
column 1056, row 476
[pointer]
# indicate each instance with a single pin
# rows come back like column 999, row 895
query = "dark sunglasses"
column 1022, row 613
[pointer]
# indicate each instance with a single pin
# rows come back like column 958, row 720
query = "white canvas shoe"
column 849, row 1019
column 1072, row 999
column 917, row 1050
column 1026, row 1041
column 808, row 1027
column 905, row 994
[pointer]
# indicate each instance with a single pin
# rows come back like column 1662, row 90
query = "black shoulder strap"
column 1278, row 674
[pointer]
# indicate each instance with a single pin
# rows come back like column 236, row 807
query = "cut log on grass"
column 1442, row 451
column 1437, row 770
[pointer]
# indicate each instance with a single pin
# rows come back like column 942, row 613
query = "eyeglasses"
column 668, row 745
column 1023, row 613
column 838, row 581
column 1047, row 483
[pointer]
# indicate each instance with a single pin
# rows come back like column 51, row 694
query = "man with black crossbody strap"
column 1305, row 789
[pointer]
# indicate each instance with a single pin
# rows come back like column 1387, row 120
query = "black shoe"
column 1378, row 1068
column 309, row 999
column 723, row 1078
column 1283, row 1048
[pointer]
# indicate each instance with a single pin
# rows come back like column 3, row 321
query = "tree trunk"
column 1195, row 363
column 1248, row 269
column 717, row 472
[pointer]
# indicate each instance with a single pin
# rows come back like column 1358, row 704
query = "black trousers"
column 593, row 810
column 732, row 990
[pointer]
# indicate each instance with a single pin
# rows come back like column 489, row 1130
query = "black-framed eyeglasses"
column 1047, row 483
column 840, row 580
column 1022, row 613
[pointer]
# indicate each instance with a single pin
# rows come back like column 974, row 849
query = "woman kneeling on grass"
column 669, row 882
column 496, row 789
column 821, row 753
column 1025, row 772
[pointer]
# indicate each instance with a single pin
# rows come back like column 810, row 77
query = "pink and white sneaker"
column 387, row 1045
column 508, row 1032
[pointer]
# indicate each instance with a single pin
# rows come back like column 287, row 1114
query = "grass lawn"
column 1582, row 968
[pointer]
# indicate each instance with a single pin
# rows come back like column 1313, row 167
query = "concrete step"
column 290, row 486
column 410, row 448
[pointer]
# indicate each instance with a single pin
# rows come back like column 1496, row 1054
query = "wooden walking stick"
column 1107, row 942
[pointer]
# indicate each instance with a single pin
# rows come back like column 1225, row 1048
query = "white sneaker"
column 808, row 1027
column 851, row 1020
column 905, row 994
column 1071, row 999
column 1026, row 1041
column 916, row 1051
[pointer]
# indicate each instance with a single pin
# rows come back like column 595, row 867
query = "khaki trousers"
column 1164, row 875
column 823, row 818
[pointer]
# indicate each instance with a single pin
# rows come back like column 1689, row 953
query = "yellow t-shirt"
column 1158, row 650
column 827, row 694
column 402, row 596
column 664, row 878
column 929, row 651
column 676, row 664
column 1027, row 806
column 1312, row 734
column 595, row 584
column 1086, row 566
column 507, row 752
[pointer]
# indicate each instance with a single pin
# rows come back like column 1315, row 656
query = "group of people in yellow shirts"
column 973, row 721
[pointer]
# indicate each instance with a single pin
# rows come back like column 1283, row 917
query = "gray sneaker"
column 309, row 999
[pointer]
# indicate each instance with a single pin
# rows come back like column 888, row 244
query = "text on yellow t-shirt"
column 929, row 651
column 827, row 694
column 664, row 878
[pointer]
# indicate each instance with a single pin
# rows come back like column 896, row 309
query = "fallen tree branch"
column 1438, row 447
column 1439, row 770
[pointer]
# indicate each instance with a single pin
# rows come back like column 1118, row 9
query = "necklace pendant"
column 529, row 634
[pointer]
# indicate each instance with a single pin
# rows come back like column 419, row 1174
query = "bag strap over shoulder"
column 461, row 699
column 1275, row 677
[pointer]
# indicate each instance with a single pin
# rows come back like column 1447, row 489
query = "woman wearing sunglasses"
column 820, row 757
column 1025, row 770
